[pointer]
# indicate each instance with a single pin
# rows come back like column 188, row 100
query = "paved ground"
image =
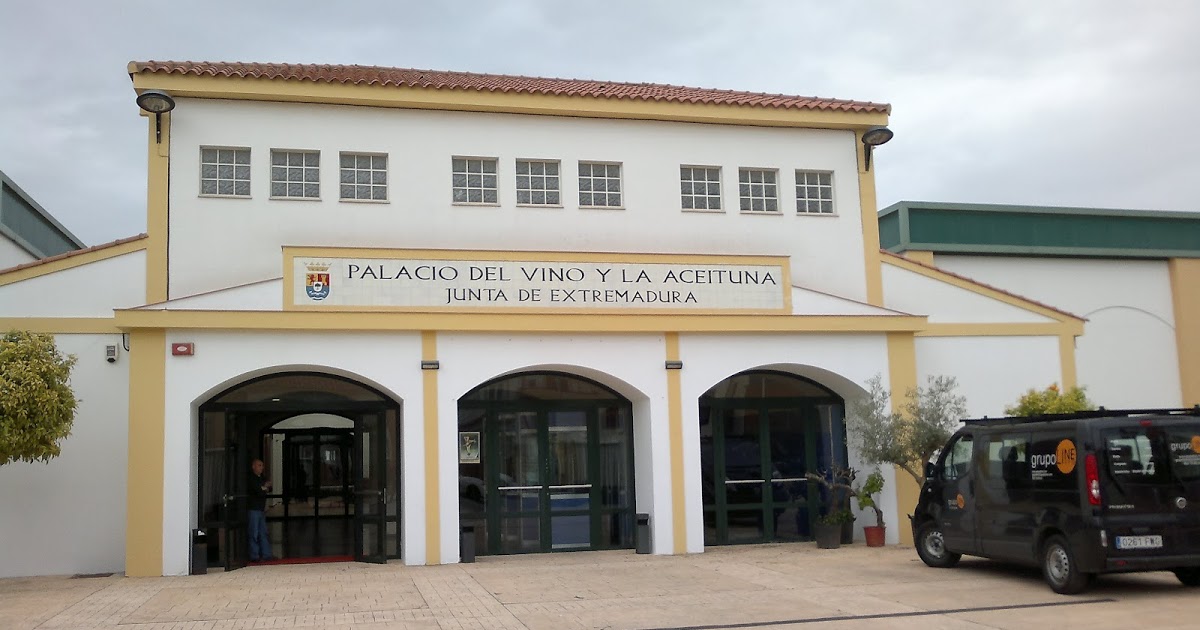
column 770, row 586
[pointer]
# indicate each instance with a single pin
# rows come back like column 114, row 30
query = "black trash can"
column 466, row 543
column 642, row 533
column 199, row 552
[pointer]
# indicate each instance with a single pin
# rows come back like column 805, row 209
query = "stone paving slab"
column 792, row 586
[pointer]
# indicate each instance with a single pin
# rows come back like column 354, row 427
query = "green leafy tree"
column 37, row 406
column 1050, row 400
column 909, row 437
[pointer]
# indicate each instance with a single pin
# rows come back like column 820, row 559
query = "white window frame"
column 356, row 173
column 527, row 178
column 467, row 175
column 802, row 202
column 746, row 190
column 687, row 188
column 244, row 167
column 592, row 178
column 305, row 170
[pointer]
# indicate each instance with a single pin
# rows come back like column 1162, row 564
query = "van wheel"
column 1059, row 568
column 1189, row 576
column 931, row 546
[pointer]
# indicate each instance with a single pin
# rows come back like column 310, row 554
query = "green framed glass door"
column 543, row 480
column 755, row 458
column 370, row 496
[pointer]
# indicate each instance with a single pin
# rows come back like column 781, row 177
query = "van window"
column 1130, row 454
column 1007, row 460
column 1185, row 453
column 958, row 460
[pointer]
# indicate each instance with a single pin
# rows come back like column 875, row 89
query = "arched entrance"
column 546, row 464
column 760, row 432
column 331, row 451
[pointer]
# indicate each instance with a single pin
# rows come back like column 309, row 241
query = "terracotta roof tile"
column 981, row 284
column 442, row 80
column 73, row 253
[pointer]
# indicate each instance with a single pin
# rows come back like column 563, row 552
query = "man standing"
column 260, row 544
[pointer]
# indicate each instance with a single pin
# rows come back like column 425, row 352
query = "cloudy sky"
column 1078, row 103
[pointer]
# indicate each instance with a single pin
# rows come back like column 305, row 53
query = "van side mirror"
column 930, row 470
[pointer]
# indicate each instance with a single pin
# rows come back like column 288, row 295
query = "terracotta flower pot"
column 875, row 535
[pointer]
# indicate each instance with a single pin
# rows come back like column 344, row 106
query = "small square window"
column 758, row 190
column 599, row 185
column 473, row 180
column 538, row 183
column 363, row 177
column 700, row 187
column 296, row 174
column 225, row 172
column 814, row 192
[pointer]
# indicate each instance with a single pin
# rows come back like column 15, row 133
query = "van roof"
column 1084, row 415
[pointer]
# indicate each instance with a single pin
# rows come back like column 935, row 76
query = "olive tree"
column 909, row 436
column 37, row 406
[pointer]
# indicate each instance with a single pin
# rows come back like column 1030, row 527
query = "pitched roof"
column 72, row 254
column 442, row 80
column 893, row 256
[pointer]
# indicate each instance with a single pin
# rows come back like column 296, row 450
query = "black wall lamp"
column 157, row 103
column 430, row 365
column 674, row 365
column 872, row 138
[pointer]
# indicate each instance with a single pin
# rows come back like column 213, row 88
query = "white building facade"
column 546, row 310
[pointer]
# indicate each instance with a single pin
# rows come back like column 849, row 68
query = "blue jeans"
column 260, row 544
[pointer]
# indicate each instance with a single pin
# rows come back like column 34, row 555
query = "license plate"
column 1139, row 542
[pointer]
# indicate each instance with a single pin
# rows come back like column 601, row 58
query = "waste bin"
column 466, row 547
column 199, row 552
column 642, row 533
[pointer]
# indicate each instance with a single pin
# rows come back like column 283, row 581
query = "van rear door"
column 1150, row 486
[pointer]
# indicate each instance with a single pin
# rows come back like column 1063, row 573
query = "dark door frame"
column 232, row 519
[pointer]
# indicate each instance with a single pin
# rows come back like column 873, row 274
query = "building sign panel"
column 341, row 282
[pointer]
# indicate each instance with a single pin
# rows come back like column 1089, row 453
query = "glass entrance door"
column 369, row 495
column 755, row 464
column 235, row 501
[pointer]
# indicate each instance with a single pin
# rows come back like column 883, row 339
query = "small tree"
column 37, row 405
column 909, row 437
column 867, row 493
column 1050, row 400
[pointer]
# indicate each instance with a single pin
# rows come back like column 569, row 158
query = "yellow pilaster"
column 870, row 227
column 675, row 421
column 144, row 487
column 902, row 374
column 1066, row 358
column 158, row 171
column 433, row 520
column 1185, row 295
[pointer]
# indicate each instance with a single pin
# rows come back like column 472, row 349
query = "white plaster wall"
column 843, row 363
column 1127, row 356
column 914, row 293
column 390, row 362
column 91, row 290
column 630, row 364
column 12, row 254
column 992, row 372
column 206, row 253
column 68, row 516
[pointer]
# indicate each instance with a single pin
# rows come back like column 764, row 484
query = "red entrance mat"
column 305, row 560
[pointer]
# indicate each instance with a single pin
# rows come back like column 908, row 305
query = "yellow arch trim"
column 513, row 322
column 433, row 514
column 72, row 261
column 284, row 90
column 675, row 429
column 144, row 486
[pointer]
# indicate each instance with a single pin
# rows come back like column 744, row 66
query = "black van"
column 1076, row 494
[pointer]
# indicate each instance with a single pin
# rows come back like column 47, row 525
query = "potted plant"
column 835, row 518
column 866, row 496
